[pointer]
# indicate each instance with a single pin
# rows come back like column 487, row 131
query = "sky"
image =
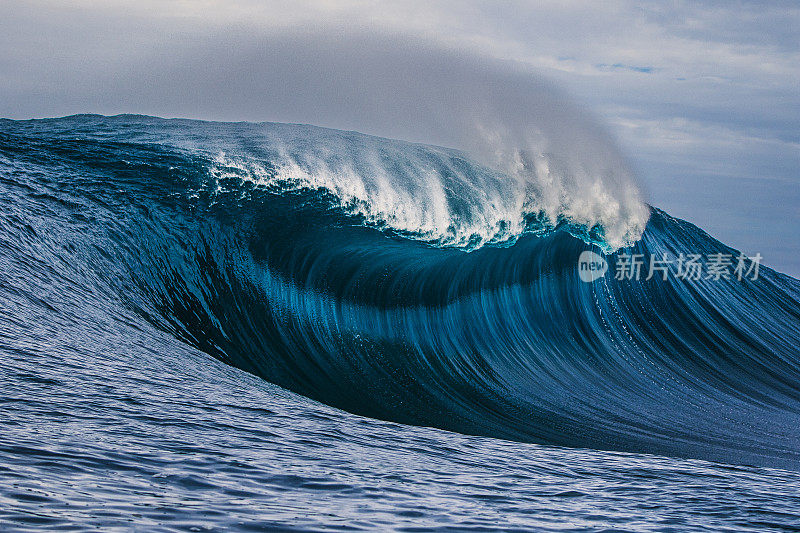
column 702, row 97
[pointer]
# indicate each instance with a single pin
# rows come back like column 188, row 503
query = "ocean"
column 214, row 326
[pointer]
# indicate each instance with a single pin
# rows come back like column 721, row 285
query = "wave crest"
column 439, row 195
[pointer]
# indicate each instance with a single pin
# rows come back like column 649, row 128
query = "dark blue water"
column 194, row 338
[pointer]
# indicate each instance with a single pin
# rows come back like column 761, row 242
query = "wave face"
column 397, row 281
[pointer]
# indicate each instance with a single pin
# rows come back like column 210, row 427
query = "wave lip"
column 434, row 194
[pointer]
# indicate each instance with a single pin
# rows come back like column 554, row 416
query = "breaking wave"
column 410, row 283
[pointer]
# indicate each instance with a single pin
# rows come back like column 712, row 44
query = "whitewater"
column 268, row 326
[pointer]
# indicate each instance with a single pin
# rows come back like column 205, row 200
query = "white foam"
column 439, row 195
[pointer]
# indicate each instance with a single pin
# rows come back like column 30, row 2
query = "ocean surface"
column 270, row 327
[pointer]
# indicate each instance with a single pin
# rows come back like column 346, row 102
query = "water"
column 140, row 281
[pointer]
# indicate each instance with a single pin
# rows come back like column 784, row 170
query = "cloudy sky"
column 701, row 96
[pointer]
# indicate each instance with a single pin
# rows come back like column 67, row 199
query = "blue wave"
column 438, row 315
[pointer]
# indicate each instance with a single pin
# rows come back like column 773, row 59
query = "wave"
column 436, row 194
column 408, row 283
